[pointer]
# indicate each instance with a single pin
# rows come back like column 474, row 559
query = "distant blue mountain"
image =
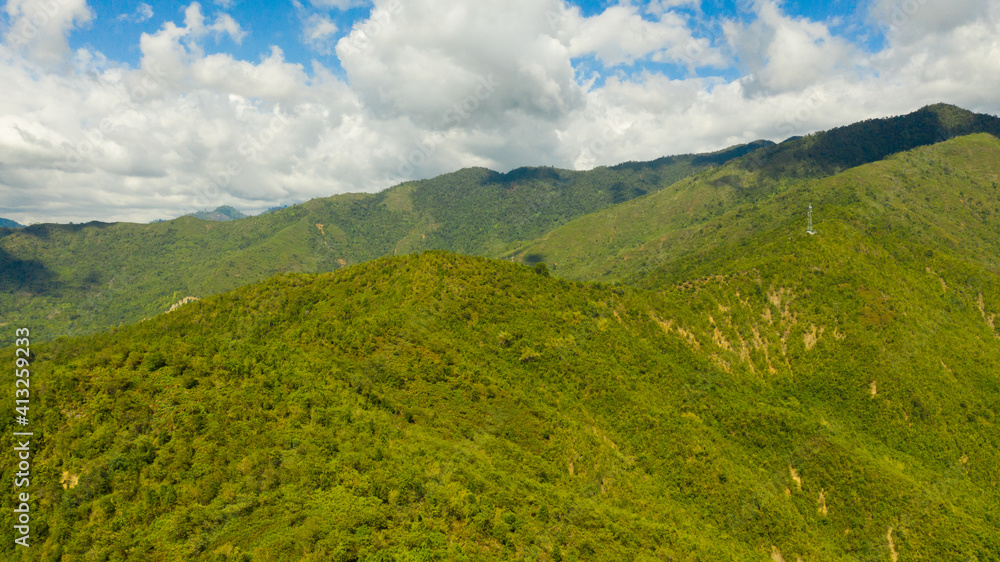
column 7, row 223
column 224, row 213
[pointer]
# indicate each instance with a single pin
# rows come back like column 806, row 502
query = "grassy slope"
column 943, row 194
column 77, row 279
column 444, row 407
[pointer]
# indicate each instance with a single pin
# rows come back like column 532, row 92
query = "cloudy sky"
column 115, row 110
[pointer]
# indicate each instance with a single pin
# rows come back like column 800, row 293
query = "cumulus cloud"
column 428, row 87
column 911, row 20
column 785, row 54
column 38, row 28
column 409, row 61
column 620, row 35
column 318, row 31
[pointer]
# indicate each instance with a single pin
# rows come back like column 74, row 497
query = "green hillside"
column 942, row 195
column 7, row 223
column 78, row 279
column 829, row 400
column 828, row 152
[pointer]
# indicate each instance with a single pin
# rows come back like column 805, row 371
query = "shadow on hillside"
column 44, row 231
column 841, row 148
column 24, row 275
column 542, row 173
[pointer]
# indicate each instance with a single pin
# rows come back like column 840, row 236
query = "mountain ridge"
column 594, row 246
column 123, row 272
column 129, row 272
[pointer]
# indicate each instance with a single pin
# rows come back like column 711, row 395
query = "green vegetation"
column 7, row 223
column 435, row 406
column 829, row 152
column 80, row 279
column 945, row 192
column 221, row 214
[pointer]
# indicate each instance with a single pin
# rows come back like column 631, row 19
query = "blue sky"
column 142, row 111
column 117, row 27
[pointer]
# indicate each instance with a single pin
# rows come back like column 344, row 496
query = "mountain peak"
column 951, row 117
column 221, row 214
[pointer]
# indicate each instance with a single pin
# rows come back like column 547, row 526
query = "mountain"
column 828, row 152
column 221, row 214
column 277, row 208
column 77, row 279
column 834, row 403
column 7, row 223
column 610, row 244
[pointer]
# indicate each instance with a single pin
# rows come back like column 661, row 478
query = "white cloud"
column 786, row 54
column 142, row 13
column 416, row 62
column 318, row 31
column 39, row 27
column 911, row 20
column 659, row 7
column 430, row 87
column 338, row 4
column 620, row 35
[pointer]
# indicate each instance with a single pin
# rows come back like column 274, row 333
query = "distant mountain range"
column 7, row 223
column 120, row 273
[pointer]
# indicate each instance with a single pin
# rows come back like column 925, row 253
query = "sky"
column 138, row 111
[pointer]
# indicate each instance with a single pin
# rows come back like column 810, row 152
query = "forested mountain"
column 7, row 223
column 830, row 401
column 923, row 191
column 221, row 214
column 838, row 149
column 76, row 279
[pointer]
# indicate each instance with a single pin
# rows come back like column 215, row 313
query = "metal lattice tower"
column 810, row 228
